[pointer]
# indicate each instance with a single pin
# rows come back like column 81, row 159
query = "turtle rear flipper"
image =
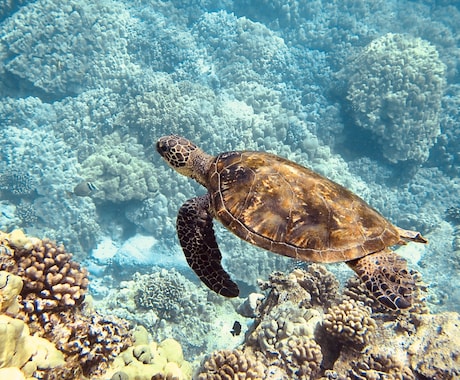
column 196, row 236
column 386, row 277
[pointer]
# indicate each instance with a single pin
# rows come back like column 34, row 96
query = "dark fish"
column 84, row 189
column 236, row 329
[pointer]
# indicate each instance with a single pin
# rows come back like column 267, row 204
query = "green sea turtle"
column 288, row 209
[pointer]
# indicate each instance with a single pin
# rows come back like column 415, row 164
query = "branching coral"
column 231, row 364
column 395, row 89
column 53, row 291
column 350, row 322
column 302, row 357
column 51, row 279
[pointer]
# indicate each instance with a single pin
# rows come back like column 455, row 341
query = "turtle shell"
column 286, row 208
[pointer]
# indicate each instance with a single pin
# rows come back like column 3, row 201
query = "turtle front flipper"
column 386, row 277
column 196, row 236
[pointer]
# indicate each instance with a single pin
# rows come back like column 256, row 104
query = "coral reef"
column 146, row 361
column 231, row 364
column 161, row 292
column 51, row 279
column 18, row 349
column 16, row 183
column 52, row 289
column 453, row 214
column 73, row 73
column 395, row 87
column 119, row 171
column 434, row 351
column 370, row 366
column 170, row 305
column 303, row 357
column 297, row 339
column 56, row 50
column 350, row 322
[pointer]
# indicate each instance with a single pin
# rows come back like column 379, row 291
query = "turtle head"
column 185, row 157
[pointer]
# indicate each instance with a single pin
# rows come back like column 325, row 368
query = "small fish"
column 236, row 329
column 84, row 189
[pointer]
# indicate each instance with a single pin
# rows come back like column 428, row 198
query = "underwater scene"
column 230, row 189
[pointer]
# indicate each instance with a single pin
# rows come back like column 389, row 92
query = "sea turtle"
column 288, row 209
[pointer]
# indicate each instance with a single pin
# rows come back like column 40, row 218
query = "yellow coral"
column 19, row 349
column 147, row 361
column 14, row 350
column 10, row 288
column 11, row 373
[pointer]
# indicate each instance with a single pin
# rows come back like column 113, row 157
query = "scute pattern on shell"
column 291, row 210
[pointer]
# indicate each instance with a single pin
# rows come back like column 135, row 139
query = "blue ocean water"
column 367, row 93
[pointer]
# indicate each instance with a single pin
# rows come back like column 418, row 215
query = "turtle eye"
column 161, row 147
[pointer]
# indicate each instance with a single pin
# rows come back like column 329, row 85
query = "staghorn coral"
column 231, row 364
column 350, row 322
column 395, row 89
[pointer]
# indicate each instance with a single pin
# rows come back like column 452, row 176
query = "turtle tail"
column 408, row 235
column 386, row 276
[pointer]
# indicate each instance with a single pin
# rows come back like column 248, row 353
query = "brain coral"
column 395, row 88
